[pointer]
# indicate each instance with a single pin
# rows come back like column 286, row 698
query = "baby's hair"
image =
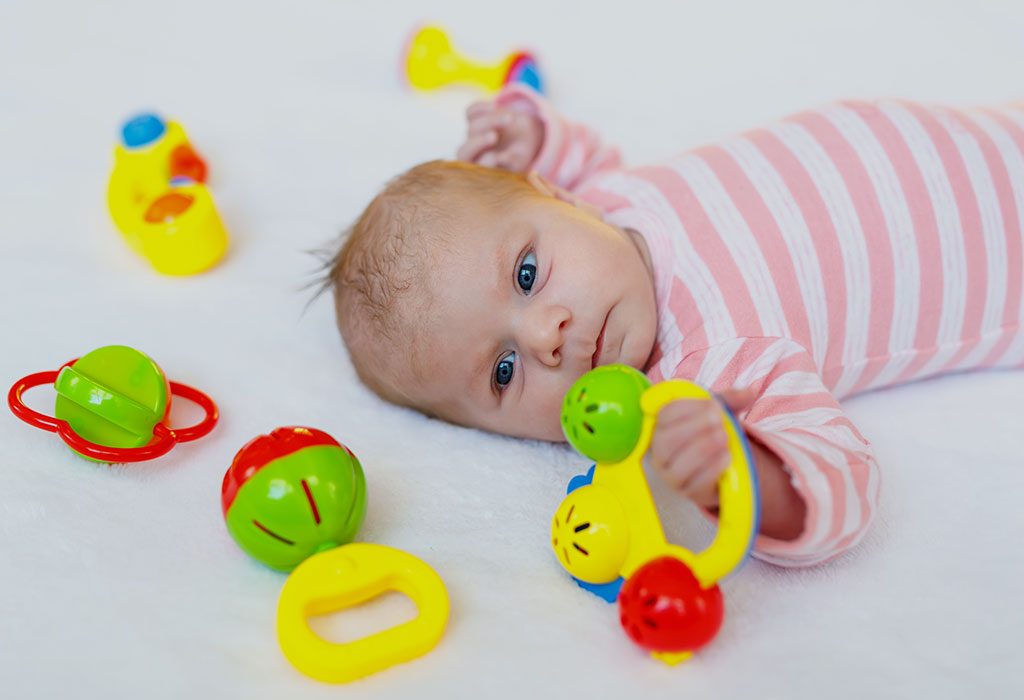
column 383, row 258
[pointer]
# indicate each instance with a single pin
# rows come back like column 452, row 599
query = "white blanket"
column 122, row 582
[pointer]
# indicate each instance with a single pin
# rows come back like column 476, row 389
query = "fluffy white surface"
column 123, row 582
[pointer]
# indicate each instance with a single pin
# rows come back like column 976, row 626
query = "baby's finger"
column 702, row 487
column 479, row 107
column 684, row 428
column 671, row 441
column 518, row 158
column 738, row 399
column 700, row 455
column 682, row 409
column 510, row 159
column 475, row 146
column 501, row 158
column 490, row 121
column 488, row 160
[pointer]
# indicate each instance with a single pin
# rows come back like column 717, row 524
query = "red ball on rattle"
column 663, row 607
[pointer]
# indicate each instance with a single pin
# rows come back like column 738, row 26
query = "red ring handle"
column 203, row 427
column 164, row 438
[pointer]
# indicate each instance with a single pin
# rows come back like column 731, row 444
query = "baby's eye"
column 526, row 275
column 504, row 370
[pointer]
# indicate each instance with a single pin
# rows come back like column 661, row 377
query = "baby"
column 842, row 250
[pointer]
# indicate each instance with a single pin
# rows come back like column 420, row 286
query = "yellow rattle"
column 607, row 533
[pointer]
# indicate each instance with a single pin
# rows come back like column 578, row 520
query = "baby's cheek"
column 546, row 415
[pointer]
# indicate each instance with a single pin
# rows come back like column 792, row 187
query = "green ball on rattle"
column 601, row 414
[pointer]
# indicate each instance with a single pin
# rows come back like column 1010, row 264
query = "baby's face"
column 524, row 303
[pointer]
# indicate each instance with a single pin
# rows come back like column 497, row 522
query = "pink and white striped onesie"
column 844, row 249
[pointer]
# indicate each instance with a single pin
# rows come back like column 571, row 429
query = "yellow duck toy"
column 159, row 201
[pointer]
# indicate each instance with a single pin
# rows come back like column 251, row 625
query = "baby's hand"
column 498, row 137
column 689, row 447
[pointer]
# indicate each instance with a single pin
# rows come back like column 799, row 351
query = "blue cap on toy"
column 529, row 74
column 142, row 130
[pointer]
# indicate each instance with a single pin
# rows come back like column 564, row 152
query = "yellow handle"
column 737, row 489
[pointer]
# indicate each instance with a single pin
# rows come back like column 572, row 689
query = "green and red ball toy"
column 113, row 405
column 291, row 494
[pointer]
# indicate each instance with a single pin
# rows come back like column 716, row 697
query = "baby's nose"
column 544, row 333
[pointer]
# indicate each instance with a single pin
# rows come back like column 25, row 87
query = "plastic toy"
column 345, row 577
column 291, row 494
column 607, row 534
column 158, row 198
column 112, row 406
column 430, row 62
column 293, row 499
column 663, row 606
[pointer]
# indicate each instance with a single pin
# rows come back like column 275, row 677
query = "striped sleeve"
column 794, row 415
column 571, row 153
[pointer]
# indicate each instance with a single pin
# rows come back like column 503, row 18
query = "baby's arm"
column 520, row 131
column 800, row 435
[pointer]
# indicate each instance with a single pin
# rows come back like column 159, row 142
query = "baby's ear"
column 550, row 189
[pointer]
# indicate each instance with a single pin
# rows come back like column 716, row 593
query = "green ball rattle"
column 113, row 405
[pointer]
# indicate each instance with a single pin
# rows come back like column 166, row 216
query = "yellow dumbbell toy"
column 430, row 62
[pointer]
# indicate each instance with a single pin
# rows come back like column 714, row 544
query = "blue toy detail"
column 142, row 130
column 529, row 75
column 608, row 591
column 581, row 480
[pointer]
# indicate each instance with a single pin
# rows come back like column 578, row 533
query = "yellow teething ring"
column 347, row 576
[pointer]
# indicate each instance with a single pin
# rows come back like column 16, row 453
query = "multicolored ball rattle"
column 430, row 62
column 159, row 201
column 607, row 533
column 291, row 494
column 294, row 499
column 112, row 406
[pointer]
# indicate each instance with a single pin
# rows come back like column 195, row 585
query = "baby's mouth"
column 600, row 343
